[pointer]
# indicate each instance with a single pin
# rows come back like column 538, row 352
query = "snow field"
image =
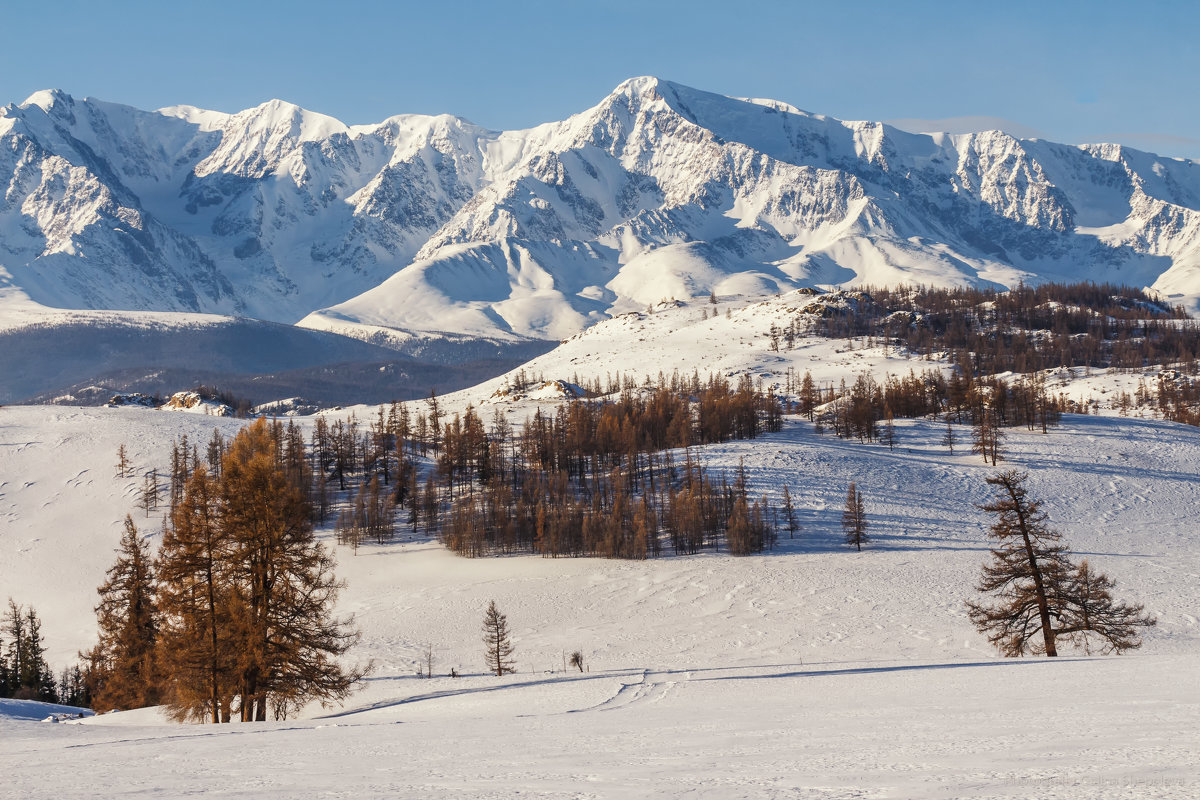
column 812, row 671
column 62, row 506
column 996, row 729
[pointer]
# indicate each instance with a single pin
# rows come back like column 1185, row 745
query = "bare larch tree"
column 1042, row 598
column 854, row 518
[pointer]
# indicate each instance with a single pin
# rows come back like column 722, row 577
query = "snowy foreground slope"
column 1090, row 729
column 813, row 671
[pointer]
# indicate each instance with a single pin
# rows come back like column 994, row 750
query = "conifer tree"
column 789, row 513
column 148, row 499
column 738, row 532
column 435, row 420
column 123, row 466
column 5, row 681
column 283, row 586
column 127, row 617
column 26, row 675
column 13, row 658
column 809, row 398
column 1042, row 598
column 38, row 680
column 986, row 436
column 854, row 518
column 195, row 638
column 216, row 449
column 888, row 434
column 948, row 438
column 498, row 648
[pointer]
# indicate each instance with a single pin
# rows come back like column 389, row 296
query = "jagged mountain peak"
column 47, row 99
column 432, row 223
column 254, row 142
column 300, row 123
column 65, row 109
column 645, row 87
column 651, row 93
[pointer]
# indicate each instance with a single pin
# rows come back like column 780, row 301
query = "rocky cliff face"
column 433, row 224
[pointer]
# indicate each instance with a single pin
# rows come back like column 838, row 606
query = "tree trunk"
column 1038, row 585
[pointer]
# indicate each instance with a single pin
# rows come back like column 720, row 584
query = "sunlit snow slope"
column 810, row 671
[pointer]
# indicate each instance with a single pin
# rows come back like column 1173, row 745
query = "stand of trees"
column 589, row 479
column 1022, row 330
column 865, row 409
column 593, row 480
column 1175, row 397
column 1025, row 330
column 234, row 617
column 24, row 673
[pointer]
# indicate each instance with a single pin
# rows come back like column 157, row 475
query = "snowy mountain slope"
column 433, row 225
column 664, row 191
column 270, row 212
column 731, row 338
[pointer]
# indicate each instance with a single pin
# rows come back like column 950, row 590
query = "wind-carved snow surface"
column 426, row 224
column 812, row 670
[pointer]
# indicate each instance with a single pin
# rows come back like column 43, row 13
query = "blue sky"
column 1073, row 71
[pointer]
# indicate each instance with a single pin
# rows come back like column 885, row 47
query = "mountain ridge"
column 430, row 224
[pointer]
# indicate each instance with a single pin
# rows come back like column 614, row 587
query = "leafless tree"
column 1042, row 597
column 854, row 518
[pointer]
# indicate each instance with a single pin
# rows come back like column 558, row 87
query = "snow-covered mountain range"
column 425, row 224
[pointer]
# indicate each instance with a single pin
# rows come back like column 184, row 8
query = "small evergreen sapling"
column 498, row 647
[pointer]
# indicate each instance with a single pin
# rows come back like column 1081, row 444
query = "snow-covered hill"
column 427, row 224
column 811, row 670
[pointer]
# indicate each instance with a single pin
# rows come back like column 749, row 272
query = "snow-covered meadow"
column 812, row 671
